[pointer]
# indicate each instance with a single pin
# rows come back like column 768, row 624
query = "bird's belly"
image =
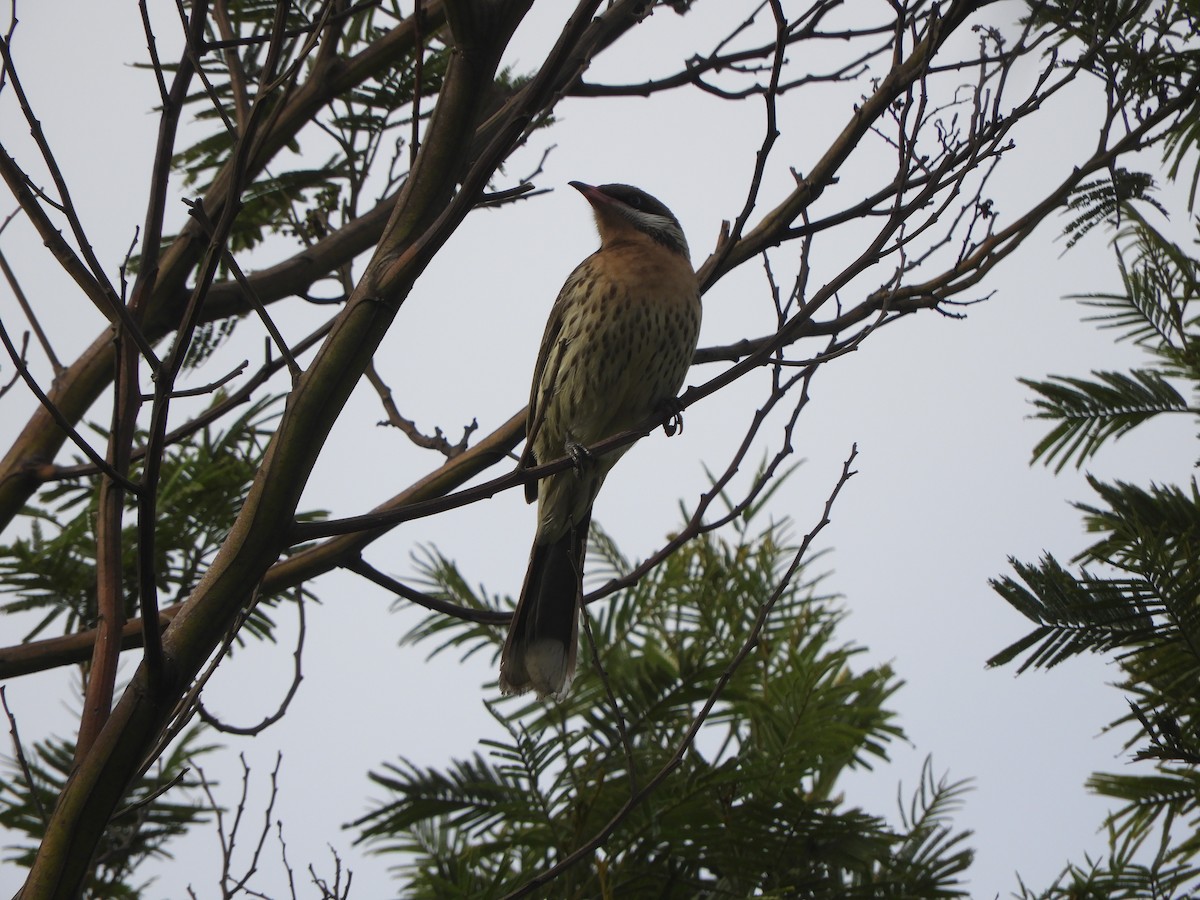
column 612, row 379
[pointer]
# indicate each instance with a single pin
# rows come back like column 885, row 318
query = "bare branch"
column 11, row 383
column 55, row 366
column 19, row 755
column 66, row 426
column 297, row 676
column 924, row 215
column 65, row 203
column 483, row 616
column 438, row 440
column 207, row 388
column 598, row 665
column 270, row 367
column 237, row 73
column 197, row 210
column 104, row 298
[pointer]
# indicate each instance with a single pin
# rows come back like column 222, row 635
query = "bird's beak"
column 593, row 194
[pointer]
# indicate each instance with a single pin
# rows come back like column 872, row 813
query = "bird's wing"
column 545, row 372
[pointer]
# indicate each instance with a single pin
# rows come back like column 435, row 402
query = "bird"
column 617, row 347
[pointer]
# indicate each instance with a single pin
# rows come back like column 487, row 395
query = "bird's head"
column 622, row 209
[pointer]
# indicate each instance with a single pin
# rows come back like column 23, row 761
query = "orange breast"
column 628, row 332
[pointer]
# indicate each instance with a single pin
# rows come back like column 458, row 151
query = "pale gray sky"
column 944, row 492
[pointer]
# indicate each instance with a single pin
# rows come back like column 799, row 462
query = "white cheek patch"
column 661, row 225
column 658, row 223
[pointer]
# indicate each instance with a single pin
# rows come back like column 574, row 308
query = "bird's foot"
column 580, row 455
column 674, row 423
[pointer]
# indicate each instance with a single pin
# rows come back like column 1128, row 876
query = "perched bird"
column 617, row 347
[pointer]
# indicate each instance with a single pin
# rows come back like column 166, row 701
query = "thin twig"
column 144, row 802
column 19, row 753
column 185, row 708
column 233, row 63
column 55, row 366
column 169, row 370
column 437, row 441
column 152, row 49
column 252, row 867
column 210, row 415
column 619, row 717
column 207, row 388
column 107, row 303
column 250, row 294
column 11, row 383
column 483, row 616
column 414, row 141
column 297, row 676
column 97, row 460
column 66, row 203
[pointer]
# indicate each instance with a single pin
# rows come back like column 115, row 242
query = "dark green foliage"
column 1161, row 282
column 1075, row 614
column 350, row 132
column 353, row 125
column 753, row 808
column 163, row 804
column 1089, row 412
column 1148, row 54
column 1122, row 875
column 1100, row 201
column 1135, row 593
column 207, row 337
column 1143, row 606
column 203, row 483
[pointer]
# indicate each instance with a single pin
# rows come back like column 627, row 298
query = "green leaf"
column 1101, row 201
column 1090, row 412
column 203, row 483
column 753, row 808
column 1075, row 614
column 161, row 805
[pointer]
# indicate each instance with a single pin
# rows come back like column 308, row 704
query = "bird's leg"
column 674, row 423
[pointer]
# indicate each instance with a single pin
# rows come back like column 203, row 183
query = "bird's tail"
column 543, row 638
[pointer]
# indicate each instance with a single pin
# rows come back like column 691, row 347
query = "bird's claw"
column 580, row 455
column 674, row 423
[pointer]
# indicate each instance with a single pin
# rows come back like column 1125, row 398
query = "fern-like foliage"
column 1161, row 282
column 1143, row 606
column 359, row 135
column 753, row 808
column 355, row 124
column 931, row 845
column 1134, row 593
column 162, row 805
column 1134, row 869
column 203, row 483
column 1089, row 412
column 1148, row 55
column 1100, row 201
column 1074, row 613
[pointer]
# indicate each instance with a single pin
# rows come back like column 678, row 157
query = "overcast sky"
column 943, row 495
